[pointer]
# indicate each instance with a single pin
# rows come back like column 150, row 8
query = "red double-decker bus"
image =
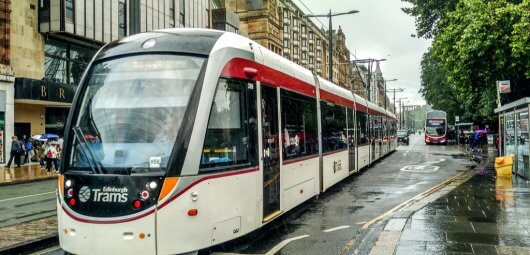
column 436, row 127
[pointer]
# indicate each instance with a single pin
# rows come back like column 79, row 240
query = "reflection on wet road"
column 333, row 219
column 485, row 215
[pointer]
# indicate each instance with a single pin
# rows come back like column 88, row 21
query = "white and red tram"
column 182, row 139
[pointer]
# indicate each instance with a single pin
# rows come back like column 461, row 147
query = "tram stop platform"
column 482, row 215
column 23, row 174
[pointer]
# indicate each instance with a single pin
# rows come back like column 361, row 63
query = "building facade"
column 281, row 26
column 6, row 82
column 47, row 45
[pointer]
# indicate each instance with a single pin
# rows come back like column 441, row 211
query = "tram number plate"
column 155, row 161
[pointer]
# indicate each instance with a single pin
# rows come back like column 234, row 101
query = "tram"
column 182, row 139
column 436, row 127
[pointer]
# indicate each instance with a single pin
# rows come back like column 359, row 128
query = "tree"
column 476, row 44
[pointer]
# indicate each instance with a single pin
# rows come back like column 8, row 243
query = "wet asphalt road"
column 330, row 221
column 333, row 219
column 26, row 202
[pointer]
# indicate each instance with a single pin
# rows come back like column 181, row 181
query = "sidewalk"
column 24, row 173
column 483, row 215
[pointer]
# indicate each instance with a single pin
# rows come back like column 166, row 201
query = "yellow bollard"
column 504, row 166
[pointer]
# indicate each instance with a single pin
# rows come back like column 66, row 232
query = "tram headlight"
column 70, row 193
column 68, row 183
column 152, row 185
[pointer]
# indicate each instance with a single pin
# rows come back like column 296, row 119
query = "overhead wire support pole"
column 330, row 37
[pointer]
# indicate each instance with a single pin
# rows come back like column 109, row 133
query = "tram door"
column 351, row 140
column 271, row 153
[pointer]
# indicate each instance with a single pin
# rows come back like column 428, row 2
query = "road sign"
column 457, row 118
column 504, row 86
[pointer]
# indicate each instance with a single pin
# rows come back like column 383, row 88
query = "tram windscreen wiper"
column 91, row 158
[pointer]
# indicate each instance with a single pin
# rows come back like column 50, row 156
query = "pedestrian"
column 40, row 154
column 50, row 153
column 16, row 149
column 29, row 151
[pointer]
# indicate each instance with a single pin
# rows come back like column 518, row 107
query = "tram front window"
column 131, row 111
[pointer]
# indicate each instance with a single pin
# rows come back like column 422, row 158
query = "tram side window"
column 299, row 125
column 362, row 124
column 230, row 138
column 333, row 127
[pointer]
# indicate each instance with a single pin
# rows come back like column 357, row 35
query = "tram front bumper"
column 131, row 237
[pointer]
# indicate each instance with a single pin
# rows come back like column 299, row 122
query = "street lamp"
column 369, row 61
column 330, row 36
column 385, row 88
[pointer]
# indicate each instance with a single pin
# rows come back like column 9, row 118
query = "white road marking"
column 434, row 162
column 282, row 244
column 360, row 223
column 420, row 168
column 410, row 148
column 335, row 228
column 34, row 195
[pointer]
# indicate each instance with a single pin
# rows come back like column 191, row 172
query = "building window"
column 304, row 42
column 311, row 36
column 319, row 42
column 304, row 29
column 286, row 14
column 182, row 12
column 295, row 50
column 172, row 10
column 286, row 43
column 122, row 22
column 311, row 60
column 295, row 22
column 65, row 63
column 69, row 9
column 295, row 36
column 286, row 28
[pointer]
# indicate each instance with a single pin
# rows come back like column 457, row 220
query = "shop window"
column 230, row 140
column 333, row 127
column 299, row 125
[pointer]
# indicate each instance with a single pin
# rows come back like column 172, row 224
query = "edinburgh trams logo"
column 105, row 194
column 84, row 194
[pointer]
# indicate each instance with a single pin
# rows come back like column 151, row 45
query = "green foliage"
column 475, row 44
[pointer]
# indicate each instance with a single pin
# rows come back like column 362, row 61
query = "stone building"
column 281, row 26
column 360, row 80
column 6, row 81
column 51, row 42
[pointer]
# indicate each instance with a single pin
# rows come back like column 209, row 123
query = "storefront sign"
column 26, row 88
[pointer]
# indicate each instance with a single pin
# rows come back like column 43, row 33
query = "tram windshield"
column 131, row 111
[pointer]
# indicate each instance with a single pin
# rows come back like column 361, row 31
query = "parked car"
column 403, row 136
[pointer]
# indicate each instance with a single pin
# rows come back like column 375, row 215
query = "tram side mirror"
column 119, row 157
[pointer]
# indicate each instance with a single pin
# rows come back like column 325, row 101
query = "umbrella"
column 36, row 137
column 49, row 136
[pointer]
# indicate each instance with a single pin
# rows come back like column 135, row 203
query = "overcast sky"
column 379, row 30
